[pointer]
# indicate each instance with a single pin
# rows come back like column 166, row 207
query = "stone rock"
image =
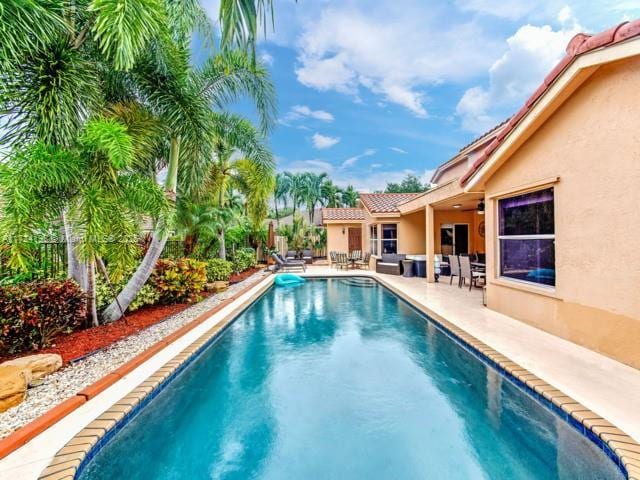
column 13, row 386
column 39, row 365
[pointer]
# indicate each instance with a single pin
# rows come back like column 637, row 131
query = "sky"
column 371, row 90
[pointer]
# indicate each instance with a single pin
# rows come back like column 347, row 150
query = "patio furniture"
column 333, row 259
column 307, row 256
column 466, row 273
column 390, row 263
column 407, row 266
column 291, row 254
column 454, row 267
column 364, row 262
column 343, row 261
column 288, row 263
column 355, row 255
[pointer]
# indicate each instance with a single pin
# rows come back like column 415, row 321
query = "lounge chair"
column 454, row 268
column 291, row 254
column 466, row 273
column 288, row 263
column 390, row 263
column 307, row 256
column 364, row 262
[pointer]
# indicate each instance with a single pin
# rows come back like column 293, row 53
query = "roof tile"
column 342, row 214
column 385, row 202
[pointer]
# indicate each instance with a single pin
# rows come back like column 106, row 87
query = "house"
column 552, row 198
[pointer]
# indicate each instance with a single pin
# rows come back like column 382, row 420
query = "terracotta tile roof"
column 581, row 43
column 385, row 202
column 485, row 134
column 342, row 214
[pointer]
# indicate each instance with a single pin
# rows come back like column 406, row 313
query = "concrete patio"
column 609, row 388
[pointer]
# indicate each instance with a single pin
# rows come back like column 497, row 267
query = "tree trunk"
column 76, row 269
column 158, row 241
column 91, row 292
column 275, row 203
column 223, row 248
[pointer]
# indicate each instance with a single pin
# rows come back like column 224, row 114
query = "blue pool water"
column 330, row 380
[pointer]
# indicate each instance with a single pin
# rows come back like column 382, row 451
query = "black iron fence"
column 50, row 259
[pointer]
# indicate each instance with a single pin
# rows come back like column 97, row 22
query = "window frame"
column 382, row 239
column 544, row 236
column 373, row 239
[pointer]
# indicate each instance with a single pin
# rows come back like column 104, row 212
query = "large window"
column 527, row 237
column 390, row 238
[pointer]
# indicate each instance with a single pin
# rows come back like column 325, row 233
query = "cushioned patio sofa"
column 390, row 263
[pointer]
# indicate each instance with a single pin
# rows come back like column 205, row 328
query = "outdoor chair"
column 291, row 254
column 466, row 273
column 288, row 263
column 364, row 262
column 454, row 269
column 356, row 255
column 343, row 261
column 307, row 256
column 333, row 259
column 390, row 263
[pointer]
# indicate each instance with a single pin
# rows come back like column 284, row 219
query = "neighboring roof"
column 385, row 202
column 348, row 214
column 578, row 45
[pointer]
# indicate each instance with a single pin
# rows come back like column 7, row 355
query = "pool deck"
column 608, row 388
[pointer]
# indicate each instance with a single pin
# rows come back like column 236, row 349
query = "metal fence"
column 50, row 259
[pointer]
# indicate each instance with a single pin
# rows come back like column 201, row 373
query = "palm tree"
column 92, row 182
column 240, row 161
column 350, row 197
column 312, row 192
column 331, row 194
column 281, row 192
column 296, row 188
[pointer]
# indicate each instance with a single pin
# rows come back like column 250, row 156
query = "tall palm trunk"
column 275, row 203
column 158, row 241
column 91, row 292
column 76, row 269
column 223, row 248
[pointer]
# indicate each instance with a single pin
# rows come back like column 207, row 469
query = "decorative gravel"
column 74, row 377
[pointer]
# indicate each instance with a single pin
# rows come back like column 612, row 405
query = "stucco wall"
column 592, row 144
column 412, row 233
column 338, row 241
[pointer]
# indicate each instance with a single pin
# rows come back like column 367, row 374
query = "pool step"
column 359, row 282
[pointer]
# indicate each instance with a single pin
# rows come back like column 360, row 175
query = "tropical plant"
column 331, row 194
column 349, row 197
column 105, row 293
column 312, row 191
column 180, row 280
column 281, row 192
column 243, row 259
column 199, row 222
column 31, row 314
column 219, row 270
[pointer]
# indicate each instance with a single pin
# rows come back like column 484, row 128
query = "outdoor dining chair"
column 454, row 267
column 466, row 273
column 343, row 261
column 364, row 262
column 333, row 259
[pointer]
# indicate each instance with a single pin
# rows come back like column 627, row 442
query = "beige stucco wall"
column 411, row 233
column 336, row 240
column 592, row 144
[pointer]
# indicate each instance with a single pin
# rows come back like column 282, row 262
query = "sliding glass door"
column 454, row 239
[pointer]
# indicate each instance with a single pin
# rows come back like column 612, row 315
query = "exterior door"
column 461, row 241
column 355, row 239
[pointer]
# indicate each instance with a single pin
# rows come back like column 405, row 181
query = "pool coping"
column 69, row 461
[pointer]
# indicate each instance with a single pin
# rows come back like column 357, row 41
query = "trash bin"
column 408, row 268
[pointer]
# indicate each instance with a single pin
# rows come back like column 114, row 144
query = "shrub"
column 148, row 295
column 31, row 314
column 219, row 270
column 243, row 259
column 179, row 280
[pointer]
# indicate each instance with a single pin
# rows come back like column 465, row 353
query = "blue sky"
column 371, row 90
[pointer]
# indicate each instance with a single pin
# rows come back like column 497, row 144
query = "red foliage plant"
column 31, row 314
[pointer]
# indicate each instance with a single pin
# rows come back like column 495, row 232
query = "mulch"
column 75, row 345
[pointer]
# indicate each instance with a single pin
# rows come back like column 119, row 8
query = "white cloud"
column 267, row 58
column 302, row 111
column 565, row 14
column 321, row 141
column 316, row 166
column 376, row 165
column 352, row 160
column 393, row 49
column 398, row 150
column 531, row 53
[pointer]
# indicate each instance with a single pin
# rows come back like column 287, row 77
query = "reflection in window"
column 390, row 238
column 373, row 239
column 527, row 237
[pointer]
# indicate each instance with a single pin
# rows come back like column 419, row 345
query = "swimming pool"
column 342, row 379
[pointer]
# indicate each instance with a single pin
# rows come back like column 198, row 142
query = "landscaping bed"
column 116, row 343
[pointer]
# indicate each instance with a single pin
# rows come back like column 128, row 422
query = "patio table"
column 480, row 267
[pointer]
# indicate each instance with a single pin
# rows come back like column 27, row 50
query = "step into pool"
column 330, row 380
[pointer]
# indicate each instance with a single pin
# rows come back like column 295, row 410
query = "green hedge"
column 179, row 281
column 243, row 259
column 219, row 270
